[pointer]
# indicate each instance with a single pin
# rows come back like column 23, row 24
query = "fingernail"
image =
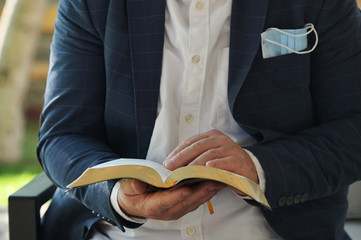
column 210, row 164
column 168, row 164
column 165, row 163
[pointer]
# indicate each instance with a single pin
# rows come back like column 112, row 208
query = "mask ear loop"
column 308, row 26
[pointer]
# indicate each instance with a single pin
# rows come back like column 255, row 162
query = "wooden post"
column 19, row 31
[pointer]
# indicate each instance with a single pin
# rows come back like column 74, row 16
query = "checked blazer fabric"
column 304, row 110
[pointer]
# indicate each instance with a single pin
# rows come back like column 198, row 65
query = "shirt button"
column 189, row 118
column 199, row 5
column 191, row 230
column 196, row 59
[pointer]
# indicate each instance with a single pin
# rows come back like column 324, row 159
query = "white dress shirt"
column 193, row 100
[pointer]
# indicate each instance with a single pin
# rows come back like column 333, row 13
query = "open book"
column 159, row 177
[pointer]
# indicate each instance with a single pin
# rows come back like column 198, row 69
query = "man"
column 266, row 89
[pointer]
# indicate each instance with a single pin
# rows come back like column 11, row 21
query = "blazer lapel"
column 146, row 29
column 247, row 24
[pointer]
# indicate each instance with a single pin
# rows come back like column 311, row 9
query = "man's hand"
column 214, row 149
column 136, row 198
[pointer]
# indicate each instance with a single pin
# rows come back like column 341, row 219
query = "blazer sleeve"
column 72, row 135
column 324, row 159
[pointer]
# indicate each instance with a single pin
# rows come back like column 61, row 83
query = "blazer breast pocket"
column 276, row 94
column 287, row 75
column 285, row 63
column 285, row 72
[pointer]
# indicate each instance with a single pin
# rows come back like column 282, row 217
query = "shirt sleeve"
column 259, row 169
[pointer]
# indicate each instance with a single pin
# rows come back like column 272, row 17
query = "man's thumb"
column 132, row 186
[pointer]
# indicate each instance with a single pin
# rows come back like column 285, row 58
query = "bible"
column 161, row 178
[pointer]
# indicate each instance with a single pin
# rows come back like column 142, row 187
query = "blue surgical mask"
column 276, row 42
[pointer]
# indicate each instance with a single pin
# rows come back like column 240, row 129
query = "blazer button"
column 282, row 201
column 305, row 197
column 290, row 201
column 298, row 198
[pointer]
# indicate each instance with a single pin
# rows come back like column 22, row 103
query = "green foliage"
column 15, row 175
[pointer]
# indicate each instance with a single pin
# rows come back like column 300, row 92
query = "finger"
column 150, row 204
column 238, row 165
column 186, row 144
column 190, row 150
column 201, row 194
column 133, row 187
column 192, row 140
column 169, row 198
column 160, row 202
column 226, row 163
column 195, row 150
column 209, row 155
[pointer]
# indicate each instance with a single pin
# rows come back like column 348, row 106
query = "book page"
column 239, row 182
column 163, row 172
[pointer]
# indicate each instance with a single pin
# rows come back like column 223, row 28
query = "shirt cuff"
column 259, row 169
column 115, row 205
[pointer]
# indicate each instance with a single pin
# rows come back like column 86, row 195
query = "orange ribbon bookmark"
column 210, row 207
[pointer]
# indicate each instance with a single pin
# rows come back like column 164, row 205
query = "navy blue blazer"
column 304, row 110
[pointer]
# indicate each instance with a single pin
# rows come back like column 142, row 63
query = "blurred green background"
column 15, row 174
